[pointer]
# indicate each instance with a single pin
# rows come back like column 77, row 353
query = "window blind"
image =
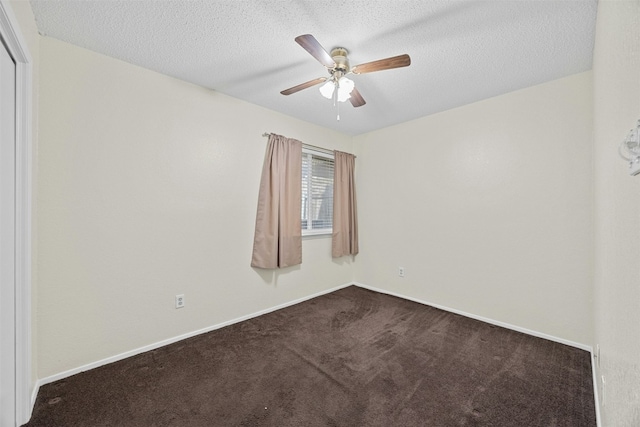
column 317, row 192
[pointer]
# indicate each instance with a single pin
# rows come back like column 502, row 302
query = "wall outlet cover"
column 180, row 301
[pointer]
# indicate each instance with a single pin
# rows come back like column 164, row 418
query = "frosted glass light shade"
column 327, row 89
column 345, row 87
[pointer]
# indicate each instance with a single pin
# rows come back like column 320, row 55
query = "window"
column 317, row 192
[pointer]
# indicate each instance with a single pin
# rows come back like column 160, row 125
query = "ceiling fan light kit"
column 337, row 86
column 344, row 88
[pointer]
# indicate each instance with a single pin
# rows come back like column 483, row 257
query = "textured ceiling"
column 462, row 51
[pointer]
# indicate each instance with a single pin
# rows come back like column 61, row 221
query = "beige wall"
column 488, row 207
column 148, row 189
column 616, row 76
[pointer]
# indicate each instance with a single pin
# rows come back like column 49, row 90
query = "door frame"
column 16, row 45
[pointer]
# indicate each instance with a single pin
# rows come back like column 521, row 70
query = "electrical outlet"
column 180, row 301
column 401, row 271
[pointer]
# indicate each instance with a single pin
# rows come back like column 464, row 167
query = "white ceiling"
column 462, row 51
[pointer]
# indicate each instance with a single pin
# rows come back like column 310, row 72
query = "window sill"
column 316, row 233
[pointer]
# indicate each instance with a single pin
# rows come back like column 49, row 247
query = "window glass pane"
column 306, row 178
column 317, row 193
column 321, row 209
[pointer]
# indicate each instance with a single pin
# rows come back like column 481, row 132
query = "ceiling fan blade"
column 301, row 86
column 311, row 45
column 383, row 64
column 356, row 99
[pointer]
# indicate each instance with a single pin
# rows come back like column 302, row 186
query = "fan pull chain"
column 335, row 99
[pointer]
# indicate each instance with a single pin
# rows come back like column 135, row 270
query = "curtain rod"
column 326, row 150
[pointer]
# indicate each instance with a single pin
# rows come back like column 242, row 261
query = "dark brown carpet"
column 349, row 358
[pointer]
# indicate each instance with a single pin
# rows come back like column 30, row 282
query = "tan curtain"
column 345, row 214
column 277, row 241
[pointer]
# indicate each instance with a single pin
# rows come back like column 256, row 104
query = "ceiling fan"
column 337, row 86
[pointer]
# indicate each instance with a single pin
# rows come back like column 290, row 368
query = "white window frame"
column 327, row 155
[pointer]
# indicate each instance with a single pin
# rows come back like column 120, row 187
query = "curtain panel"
column 345, row 215
column 277, row 241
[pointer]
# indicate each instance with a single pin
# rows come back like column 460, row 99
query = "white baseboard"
column 34, row 396
column 595, row 390
column 168, row 341
column 482, row 319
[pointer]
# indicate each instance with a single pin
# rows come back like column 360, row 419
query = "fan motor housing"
column 339, row 56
